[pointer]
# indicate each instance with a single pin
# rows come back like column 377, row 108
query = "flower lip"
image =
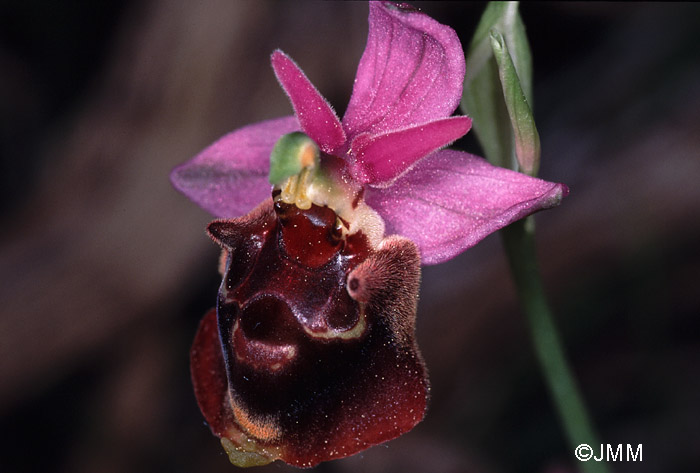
column 264, row 336
column 269, row 319
column 309, row 237
column 303, row 371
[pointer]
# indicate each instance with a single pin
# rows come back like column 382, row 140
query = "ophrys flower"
column 311, row 354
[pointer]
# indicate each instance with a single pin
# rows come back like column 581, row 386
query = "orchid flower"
column 310, row 354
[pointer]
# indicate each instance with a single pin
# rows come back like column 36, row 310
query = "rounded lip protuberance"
column 353, row 333
column 261, row 355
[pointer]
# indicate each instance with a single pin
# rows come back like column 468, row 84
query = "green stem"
column 519, row 242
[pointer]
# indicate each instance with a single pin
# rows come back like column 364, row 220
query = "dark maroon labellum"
column 310, row 354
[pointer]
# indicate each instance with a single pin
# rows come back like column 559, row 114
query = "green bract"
column 527, row 140
column 483, row 98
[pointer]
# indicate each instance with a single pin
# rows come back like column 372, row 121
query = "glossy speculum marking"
column 310, row 354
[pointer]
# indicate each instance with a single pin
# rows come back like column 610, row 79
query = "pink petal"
column 451, row 200
column 229, row 178
column 381, row 158
column 317, row 118
column 411, row 72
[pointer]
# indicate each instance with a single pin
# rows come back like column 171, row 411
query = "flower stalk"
column 500, row 102
column 519, row 243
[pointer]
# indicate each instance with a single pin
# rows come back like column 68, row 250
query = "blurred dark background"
column 105, row 270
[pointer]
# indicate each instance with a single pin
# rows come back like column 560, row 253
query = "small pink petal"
column 229, row 178
column 381, row 158
column 411, row 72
column 451, row 200
column 316, row 116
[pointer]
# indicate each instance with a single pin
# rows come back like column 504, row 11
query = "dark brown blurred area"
column 105, row 270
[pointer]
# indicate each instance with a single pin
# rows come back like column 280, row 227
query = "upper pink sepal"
column 381, row 158
column 229, row 178
column 451, row 200
column 410, row 73
column 316, row 116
